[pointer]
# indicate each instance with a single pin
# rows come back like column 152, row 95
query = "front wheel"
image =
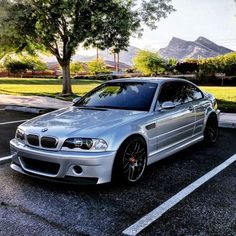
column 131, row 160
column 211, row 131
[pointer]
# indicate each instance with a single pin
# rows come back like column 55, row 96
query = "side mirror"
column 168, row 105
column 75, row 100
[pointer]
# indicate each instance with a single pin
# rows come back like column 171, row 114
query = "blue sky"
column 213, row 19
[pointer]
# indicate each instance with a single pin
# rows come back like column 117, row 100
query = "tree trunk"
column 115, row 61
column 66, row 90
column 118, row 62
column 97, row 54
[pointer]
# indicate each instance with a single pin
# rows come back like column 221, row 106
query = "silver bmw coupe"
column 115, row 131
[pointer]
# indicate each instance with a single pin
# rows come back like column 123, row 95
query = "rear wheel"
column 131, row 160
column 211, row 131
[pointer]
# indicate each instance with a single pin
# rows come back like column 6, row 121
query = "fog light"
column 77, row 169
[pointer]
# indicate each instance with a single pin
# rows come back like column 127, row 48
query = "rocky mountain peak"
column 201, row 47
column 202, row 40
column 177, row 42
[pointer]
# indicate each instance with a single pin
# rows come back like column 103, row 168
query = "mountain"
column 125, row 56
column 177, row 48
column 54, row 65
column 201, row 47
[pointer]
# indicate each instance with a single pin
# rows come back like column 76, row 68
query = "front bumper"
column 95, row 168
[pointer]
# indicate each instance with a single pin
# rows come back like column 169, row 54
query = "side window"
column 174, row 92
column 193, row 93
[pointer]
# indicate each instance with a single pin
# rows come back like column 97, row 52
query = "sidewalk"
column 35, row 103
column 227, row 120
column 32, row 102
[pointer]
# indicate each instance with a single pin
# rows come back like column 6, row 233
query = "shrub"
column 96, row 77
column 187, row 67
column 171, row 65
column 22, row 63
column 77, row 67
column 149, row 63
column 97, row 66
column 18, row 67
column 35, row 63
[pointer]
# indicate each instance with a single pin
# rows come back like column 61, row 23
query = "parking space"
column 9, row 120
column 11, row 116
column 211, row 210
column 30, row 205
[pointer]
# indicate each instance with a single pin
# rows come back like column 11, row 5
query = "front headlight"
column 20, row 135
column 214, row 104
column 78, row 144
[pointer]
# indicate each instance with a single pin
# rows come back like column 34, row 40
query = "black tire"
column 211, row 131
column 131, row 161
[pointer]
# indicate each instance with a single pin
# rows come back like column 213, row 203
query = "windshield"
column 120, row 95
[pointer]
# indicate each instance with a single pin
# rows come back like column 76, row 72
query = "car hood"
column 74, row 121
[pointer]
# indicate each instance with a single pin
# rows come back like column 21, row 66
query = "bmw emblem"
column 44, row 130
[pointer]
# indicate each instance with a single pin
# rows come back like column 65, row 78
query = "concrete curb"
column 34, row 110
column 4, row 160
column 227, row 125
column 227, row 120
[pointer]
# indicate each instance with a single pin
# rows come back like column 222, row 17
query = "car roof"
column 157, row 80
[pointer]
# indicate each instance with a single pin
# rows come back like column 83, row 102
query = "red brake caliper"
column 133, row 159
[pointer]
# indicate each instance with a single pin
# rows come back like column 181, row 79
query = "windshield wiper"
column 115, row 107
column 104, row 108
column 92, row 108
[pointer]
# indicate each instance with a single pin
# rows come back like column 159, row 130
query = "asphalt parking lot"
column 34, row 207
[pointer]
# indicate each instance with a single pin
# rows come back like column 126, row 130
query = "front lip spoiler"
column 65, row 180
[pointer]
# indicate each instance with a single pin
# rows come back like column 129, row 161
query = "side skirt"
column 163, row 153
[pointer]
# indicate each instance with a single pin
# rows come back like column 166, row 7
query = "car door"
column 200, row 105
column 177, row 124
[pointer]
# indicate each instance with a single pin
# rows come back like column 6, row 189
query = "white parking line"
column 13, row 122
column 160, row 210
column 2, row 109
column 4, row 160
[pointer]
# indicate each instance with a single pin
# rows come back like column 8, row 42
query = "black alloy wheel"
column 211, row 131
column 131, row 160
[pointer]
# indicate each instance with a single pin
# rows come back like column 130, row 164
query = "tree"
column 97, row 66
column 12, row 37
column 220, row 64
column 208, row 67
column 34, row 62
column 115, row 50
column 76, row 67
column 15, row 66
column 1, row 66
column 171, row 65
column 229, row 63
column 61, row 25
column 187, row 67
column 149, row 63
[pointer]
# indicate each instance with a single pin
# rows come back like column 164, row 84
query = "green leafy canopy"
column 149, row 63
column 61, row 25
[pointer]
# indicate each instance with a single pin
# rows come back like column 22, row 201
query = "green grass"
column 43, row 87
column 226, row 97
